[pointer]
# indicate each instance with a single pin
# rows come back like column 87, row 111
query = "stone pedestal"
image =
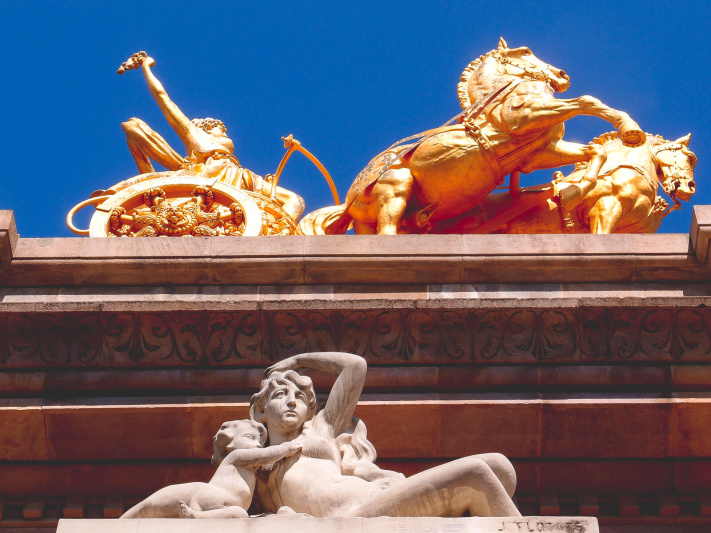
column 585, row 359
column 291, row 524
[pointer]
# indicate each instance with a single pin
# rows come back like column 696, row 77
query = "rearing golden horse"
column 625, row 199
column 512, row 123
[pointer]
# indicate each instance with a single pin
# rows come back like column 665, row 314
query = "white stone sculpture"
column 333, row 475
column 320, row 463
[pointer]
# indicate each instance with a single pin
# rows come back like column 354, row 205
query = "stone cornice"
column 344, row 260
column 8, row 238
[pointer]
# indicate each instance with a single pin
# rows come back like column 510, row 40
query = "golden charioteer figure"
column 205, row 193
column 442, row 180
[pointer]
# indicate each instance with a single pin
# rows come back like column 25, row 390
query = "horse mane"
column 652, row 140
column 612, row 135
column 463, row 85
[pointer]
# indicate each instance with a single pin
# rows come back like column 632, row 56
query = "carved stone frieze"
column 645, row 335
column 392, row 336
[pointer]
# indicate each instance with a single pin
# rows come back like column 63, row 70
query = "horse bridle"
column 532, row 74
column 674, row 147
column 671, row 183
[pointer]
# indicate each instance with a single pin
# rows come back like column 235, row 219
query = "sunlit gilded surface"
column 439, row 181
column 434, row 182
column 183, row 201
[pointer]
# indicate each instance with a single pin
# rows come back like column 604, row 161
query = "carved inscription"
column 535, row 525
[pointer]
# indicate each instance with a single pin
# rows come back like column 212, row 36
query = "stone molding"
column 530, row 427
column 302, row 524
column 458, row 296
column 8, row 238
column 349, row 259
column 701, row 232
column 612, row 510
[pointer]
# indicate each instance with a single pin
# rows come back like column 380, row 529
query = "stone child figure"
column 210, row 150
column 238, row 453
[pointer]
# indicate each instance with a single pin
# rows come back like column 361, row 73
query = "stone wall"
column 585, row 359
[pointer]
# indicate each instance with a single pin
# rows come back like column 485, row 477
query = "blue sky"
column 347, row 79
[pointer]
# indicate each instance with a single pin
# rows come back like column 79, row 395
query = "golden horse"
column 512, row 123
column 624, row 199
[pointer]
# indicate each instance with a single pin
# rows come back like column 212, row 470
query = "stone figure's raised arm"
column 175, row 117
column 345, row 393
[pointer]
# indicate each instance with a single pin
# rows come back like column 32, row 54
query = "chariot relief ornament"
column 443, row 180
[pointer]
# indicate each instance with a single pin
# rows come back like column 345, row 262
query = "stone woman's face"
column 287, row 408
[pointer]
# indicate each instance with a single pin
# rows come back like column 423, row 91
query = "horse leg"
column 539, row 114
column 391, row 194
column 363, row 228
column 605, row 215
column 560, row 153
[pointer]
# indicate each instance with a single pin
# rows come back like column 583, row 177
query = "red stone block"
column 705, row 504
column 118, row 432
column 34, row 508
column 74, row 507
column 588, row 504
column 404, row 429
column 688, row 426
column 511, row 427
column 668, row 504
column 22, row 431
column 693, row 475
column 605, row 428
column 113, row 507
column 21, row 480
column 548, row 503
column 584, row 475
column 629, row 506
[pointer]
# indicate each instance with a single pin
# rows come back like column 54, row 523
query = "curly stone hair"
column 355, row 448
column 275, row 379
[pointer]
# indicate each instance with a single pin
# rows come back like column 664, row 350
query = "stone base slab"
column 356, row 259
column 298, row 524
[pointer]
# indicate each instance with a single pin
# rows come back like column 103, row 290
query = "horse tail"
column 331, row 220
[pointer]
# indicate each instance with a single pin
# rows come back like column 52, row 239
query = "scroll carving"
column 543, row 334
column 384, row 336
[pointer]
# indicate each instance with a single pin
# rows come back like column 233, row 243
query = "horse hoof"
column 631, row 135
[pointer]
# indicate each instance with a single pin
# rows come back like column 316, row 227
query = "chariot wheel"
column 177, row 190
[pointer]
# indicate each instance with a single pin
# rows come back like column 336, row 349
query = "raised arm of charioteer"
column 176, row 118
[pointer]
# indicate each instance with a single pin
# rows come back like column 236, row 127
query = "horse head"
column 520, row 62
column 676, row 163
column 503, row 63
